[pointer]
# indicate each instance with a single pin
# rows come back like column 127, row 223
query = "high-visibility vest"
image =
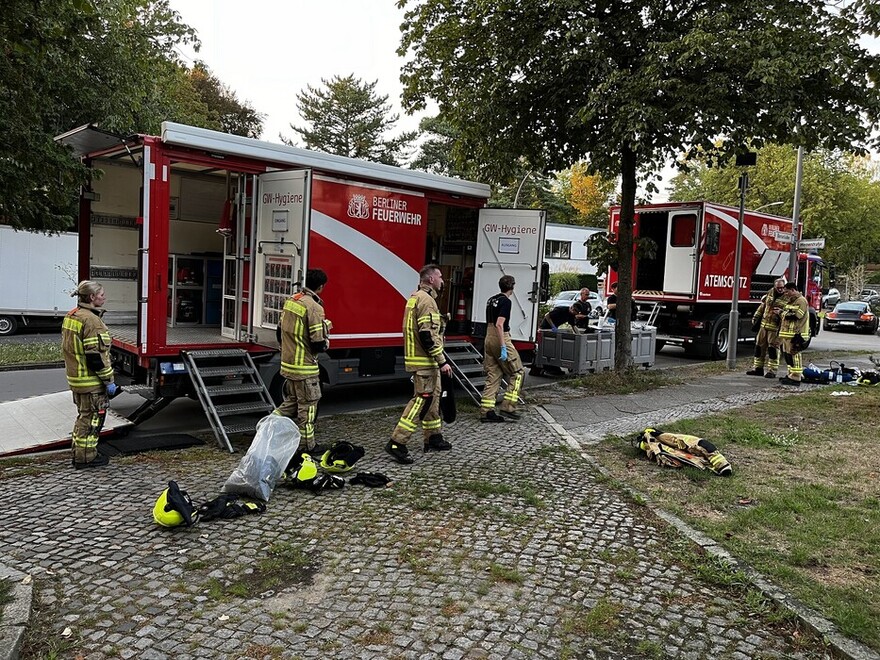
column 421, row 314
column 83, row 333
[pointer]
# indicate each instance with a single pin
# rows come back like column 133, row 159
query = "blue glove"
column 554, row 329
column 112, row 388
column 504, row 353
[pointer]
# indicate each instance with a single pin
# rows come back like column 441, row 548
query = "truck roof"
column 89, row 139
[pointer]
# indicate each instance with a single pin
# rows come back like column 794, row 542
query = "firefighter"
column 423, row 357
column 501, row 358
column 794, row 331
column 304, row 332
column 85, row 344
column 767, row 341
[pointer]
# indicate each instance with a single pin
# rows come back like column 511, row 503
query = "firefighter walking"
column 501, row 357
column 305, row 332
column 767, row 342
column 794, row 331
column 85, row 344
column 423, row 357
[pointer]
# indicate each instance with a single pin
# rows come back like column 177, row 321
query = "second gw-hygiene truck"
column 688, row 285
column 199, row 237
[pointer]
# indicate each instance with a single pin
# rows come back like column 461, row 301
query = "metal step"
column 210, row 372
column 241, row 388
column 217, row 353
column 240, row 427
column 238, row 408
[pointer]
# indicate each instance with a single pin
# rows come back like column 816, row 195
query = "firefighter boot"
column 757, row 371
column 99, row 460
column 399, row 452
column 770, row 374
column 437, row 443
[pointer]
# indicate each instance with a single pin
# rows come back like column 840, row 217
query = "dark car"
column 852, row 315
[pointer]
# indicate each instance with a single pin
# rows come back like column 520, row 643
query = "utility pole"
column 733, row 326
column 796, row 218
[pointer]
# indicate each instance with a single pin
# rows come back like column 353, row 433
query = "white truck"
column 38, row 272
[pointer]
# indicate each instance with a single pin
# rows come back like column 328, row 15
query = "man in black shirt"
column 611, row 302
column 582, row 309
column 501, row 358
column 557, row 316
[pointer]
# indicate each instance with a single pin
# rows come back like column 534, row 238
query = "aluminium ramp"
column 41, row 423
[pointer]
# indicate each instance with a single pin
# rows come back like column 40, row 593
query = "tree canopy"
column 114, row 63
column 346, row 117
column 840, row 195
column 627, row 85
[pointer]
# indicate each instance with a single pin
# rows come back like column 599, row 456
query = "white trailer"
column 39, row 273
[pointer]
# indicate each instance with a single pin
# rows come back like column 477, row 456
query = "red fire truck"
column 199, row 237
column 689, row 283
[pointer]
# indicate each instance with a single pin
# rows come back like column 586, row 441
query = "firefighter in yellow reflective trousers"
column 304, row 334
column 423, row 357
column 767, row 342
column 794, row 331
column 501, row 358
column 85, row 344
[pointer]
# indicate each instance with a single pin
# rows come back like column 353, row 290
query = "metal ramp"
column 228, row 386
column 467, row 367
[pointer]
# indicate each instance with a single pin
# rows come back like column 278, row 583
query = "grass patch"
column 600, row 622
column 283, row 566
column 802, row 505
column 627, row 382
column 501, row 573
column 38, row 352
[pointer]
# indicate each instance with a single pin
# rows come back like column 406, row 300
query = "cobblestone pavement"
column 509, row 546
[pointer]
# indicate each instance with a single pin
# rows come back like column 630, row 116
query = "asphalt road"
column 186, row 415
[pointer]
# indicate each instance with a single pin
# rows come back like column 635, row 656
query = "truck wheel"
column 658, row 345
column 720, row 338
column 8, row 325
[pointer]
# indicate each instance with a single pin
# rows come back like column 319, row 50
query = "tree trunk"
column 623, row 334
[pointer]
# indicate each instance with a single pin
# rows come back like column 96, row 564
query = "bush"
column 571, row 282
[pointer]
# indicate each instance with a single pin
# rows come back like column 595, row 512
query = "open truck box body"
column 198, row 238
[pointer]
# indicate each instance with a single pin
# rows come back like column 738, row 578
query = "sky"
column 269, row 50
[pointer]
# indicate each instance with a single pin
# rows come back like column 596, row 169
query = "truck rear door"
column 679, row 275
column 510, row 242
column 280, row 246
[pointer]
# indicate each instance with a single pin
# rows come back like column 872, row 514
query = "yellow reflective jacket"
column 769, row 318
column 302, row 323
column 85, row 344
column 795, row 319
column 421, row 314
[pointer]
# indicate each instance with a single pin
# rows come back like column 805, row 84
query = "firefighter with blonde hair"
column 766, row 319
column 794, row 331
column 85, row 345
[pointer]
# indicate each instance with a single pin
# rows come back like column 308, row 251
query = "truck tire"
column 8, row 325
column 658, row 345
column 720, row 338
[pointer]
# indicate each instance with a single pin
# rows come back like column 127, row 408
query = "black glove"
column 756, row 324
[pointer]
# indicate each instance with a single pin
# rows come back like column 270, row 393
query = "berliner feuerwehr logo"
column 358, row 207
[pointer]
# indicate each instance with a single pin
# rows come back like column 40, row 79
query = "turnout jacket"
column 304, row 334
column 795, row 319
column 85, row 344
column 422, row 331
column 769, row 319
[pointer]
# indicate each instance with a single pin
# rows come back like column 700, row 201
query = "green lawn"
column 40, row 352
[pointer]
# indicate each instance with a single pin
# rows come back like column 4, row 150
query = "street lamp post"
column 767, row 206
column 733, row 325
column 795, row 218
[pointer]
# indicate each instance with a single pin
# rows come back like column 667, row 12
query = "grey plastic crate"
column 644, row 341
column 579, row 353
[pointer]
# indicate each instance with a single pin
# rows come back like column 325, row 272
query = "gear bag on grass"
column 679, row 449
column 276, row 440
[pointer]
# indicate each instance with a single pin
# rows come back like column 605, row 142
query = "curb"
column 839, row 645
column 31, row 366
column 16, row 614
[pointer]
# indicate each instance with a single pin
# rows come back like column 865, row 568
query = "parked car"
column 864, row 294
column 853, row 315
column 831, row 298
column 567, row 299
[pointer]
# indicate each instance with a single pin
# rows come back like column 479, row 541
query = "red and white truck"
column 691, row 278
column 199, row 237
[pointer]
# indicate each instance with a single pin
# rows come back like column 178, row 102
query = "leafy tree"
column 536, row 191
column 436, row 152
column 590, row 194
column 347, row 118
column 839, row 198
column 222, row 106
column 71, row 62
column 628, row 84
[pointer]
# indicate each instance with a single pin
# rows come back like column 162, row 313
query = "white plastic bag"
column 274, row 444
